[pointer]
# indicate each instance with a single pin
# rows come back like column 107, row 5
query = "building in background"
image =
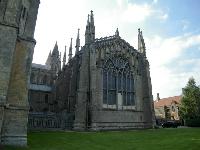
column 42, row 84
column 167, row 108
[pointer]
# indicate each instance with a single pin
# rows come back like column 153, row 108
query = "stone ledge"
column 38, row 87
column 18, row 140
column 9, row 25
column 28, row 39
column 15, row 107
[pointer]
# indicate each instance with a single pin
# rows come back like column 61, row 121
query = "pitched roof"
column 167, row 101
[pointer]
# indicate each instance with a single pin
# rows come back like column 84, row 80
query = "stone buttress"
column 17, row 25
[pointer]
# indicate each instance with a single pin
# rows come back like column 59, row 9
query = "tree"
column 190, row 102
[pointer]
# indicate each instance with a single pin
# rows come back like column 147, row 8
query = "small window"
column 173, row 108
column 31, row 109
column 44, row 80
column 33, row 78
column 45, row 109
column 46, row 98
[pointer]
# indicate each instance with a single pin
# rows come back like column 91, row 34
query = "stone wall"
column 90, row 112
column 41, row 89
column 16, row 50
column 138, row 116
column 7, row 46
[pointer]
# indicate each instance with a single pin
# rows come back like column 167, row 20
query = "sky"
column 171, row 30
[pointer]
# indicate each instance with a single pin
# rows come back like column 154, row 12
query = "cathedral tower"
column 17, row 26
column 54, row 60
column 90, row 29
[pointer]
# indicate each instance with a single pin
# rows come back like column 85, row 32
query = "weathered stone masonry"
column 17, row 25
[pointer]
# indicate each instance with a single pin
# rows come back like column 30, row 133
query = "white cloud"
column 137, row 13
column 168, row 49
column 164, row 17
column 185, row 24
column 59, row 21
column 155, row 1
column 162, row 52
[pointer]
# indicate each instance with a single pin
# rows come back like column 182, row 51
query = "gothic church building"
column 105, row 85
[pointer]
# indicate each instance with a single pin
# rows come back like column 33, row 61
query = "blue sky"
column 171, row 30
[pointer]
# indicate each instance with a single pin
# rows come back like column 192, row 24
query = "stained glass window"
column 118, row 78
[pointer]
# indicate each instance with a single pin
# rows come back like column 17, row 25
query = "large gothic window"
column 118, row 82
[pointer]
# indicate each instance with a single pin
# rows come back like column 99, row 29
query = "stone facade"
column 106, row 85
column 42, row 84
column 17, row 25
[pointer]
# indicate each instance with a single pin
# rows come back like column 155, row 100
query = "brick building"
column 167, row 108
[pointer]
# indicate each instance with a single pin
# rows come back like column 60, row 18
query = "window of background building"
column 33, row 78
column 45, row 80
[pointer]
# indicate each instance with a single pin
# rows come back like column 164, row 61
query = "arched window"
column 45, row 79
column 118, row 82
column 46, row 99
column 31, row 109
column 33, row 78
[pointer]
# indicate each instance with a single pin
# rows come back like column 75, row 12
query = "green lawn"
column 158, row 139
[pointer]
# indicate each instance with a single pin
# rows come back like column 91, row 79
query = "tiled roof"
column 167, row 101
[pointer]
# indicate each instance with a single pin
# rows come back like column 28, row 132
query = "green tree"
column 190, row 102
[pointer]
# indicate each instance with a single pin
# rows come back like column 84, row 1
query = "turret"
column 117, row 32
column 90, row 29
column 64, row 58
column 141, row 43
column 87, row 30
column 55, row 62
column 48, row 61
column 55, row 51
column 77, row 42
column 70, row 51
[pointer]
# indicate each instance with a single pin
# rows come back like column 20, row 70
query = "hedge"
column 192, row 122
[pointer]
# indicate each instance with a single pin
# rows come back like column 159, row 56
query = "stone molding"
column 16, row 107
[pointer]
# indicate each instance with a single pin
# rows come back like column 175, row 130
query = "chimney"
column 158, row 97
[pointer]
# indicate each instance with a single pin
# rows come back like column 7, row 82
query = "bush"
column 192, row 122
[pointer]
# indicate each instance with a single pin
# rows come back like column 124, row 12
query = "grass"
column 165, row 139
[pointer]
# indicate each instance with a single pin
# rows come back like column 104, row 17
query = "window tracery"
column 118, row 82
